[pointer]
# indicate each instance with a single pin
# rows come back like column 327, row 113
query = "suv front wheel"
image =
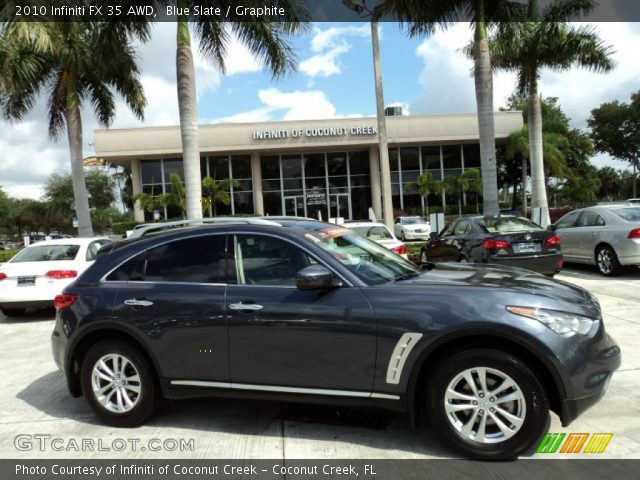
column 487, row 404
column 119, row 384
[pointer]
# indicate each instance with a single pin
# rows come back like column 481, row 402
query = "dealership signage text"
column 314, row 132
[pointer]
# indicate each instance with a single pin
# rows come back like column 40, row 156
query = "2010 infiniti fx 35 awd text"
column 308, row 311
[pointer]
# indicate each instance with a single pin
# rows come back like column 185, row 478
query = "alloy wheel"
column 485, row 405
column 605, row 261
column 116, row 384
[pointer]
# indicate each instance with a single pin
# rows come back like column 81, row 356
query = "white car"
column 412, row 228
column 379, row 233
column 39, row 272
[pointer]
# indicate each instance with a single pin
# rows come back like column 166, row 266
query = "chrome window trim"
column 281, row 389
column 399, row 356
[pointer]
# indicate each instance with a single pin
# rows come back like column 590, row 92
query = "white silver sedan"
column 412, row 228
column 379, row 233
column 606, row 236
column 39, row 272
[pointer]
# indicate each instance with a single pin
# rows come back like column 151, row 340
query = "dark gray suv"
column 313, row 312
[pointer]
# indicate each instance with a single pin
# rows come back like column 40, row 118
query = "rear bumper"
column 27, row 304
column 548, row 264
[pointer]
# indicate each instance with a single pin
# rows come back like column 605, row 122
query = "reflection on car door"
column 174, row 294
column 282, row 336
column 568, row 232
column 589, row 229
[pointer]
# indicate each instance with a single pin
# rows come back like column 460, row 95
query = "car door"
column 282, row 338
column 569, row 235
column 440, row 248
column 589, row 230
column 173, row 294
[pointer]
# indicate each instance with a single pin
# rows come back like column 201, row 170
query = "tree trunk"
column 80, row 194
column 539, row 190
column 635, row 178
column 524, row 186
column 426, row 201
column 459, row 204
column 486, row 128
column 187, row 105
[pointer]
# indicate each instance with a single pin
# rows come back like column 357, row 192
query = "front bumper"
column 416, row 235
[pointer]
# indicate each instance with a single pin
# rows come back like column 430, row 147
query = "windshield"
column 369, row 261
column 47, row 253
column 510, row 224
column 631, row 214
column 375, row 233
column 413, row 220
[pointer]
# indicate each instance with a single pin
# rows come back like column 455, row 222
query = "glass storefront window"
column 409, row 159
column 393, row 159
column 451, row 157
column 151, row 171
column 337, row 164
column 241, row 166
column 272, row 203
column 243, row 202
column 359, row 163
column 471, row 153
column 291, row 166
column 270, row 166
column 219, row 167
column 314, row 165
column 172, row 166
column 431, row 158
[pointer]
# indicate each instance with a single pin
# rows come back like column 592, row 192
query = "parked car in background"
column 411, row 228
column 306, row 311
column 506, row 240
column 39, row 272
column 607, row 236
column 379, row 233
column 633, row 201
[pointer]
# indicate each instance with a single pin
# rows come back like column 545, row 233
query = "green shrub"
column 7, row 254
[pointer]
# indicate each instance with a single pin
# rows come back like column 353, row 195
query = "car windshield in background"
column 47, row 253
column 414, row 221
column 367, row 260
column 631, row 214
column 504, row 225
column 374, row 233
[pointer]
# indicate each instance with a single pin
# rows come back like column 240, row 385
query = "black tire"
column 533, row 408
column 423, row 256
column 607, row 261
column 13, row 312
column 145, row 404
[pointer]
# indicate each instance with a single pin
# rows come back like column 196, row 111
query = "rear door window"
column 590, row 219
column 191, row 260
column 568, row 221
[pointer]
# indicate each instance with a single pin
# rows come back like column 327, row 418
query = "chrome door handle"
column 132, row 302
column 245, row 306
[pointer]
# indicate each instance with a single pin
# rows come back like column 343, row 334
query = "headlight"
column 565, row 324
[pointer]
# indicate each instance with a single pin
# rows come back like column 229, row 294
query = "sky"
column 334, row 78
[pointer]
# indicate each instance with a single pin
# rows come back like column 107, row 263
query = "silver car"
column 605, row 236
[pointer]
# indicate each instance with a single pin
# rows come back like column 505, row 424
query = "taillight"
column 400, row 249
column 2, row 276
column 552, row 241
column 491, row 244
column 58, row 274
column 64, row 301
column 635, row 233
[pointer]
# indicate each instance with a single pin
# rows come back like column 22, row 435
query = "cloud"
column 329, row 45
column 296, row 105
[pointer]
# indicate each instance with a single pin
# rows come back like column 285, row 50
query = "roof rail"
column 161, row 226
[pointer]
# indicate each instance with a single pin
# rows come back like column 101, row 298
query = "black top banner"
column 404, row 11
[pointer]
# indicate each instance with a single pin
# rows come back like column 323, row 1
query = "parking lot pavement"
column 34, row 401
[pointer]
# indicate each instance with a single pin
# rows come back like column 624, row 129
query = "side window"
column 262, row 260
column 192, row 260
column 590, row 219
column 92, row 249
column 461, row 228
column 447, row 230
column 568, row 221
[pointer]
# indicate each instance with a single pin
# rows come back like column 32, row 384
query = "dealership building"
column 313, row 168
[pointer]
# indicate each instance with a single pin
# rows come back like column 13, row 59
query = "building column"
column 136, row 184
column 256, row 177
column 376, row 194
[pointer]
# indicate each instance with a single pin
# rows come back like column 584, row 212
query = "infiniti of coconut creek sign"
column 314, row 132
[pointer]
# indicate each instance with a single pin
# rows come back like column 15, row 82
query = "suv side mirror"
column 552, row 227
column 315, row 277
column 433, row 235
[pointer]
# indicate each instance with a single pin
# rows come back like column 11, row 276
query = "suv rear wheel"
column 119, row 383
column 487, row 404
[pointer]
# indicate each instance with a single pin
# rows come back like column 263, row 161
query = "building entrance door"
column 294, row 206
column 339, row 205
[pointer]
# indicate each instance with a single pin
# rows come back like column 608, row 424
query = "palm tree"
column 546, row 40
column 176, row 197
column 217, row 191
column 467, row 181
column 148, row 201
column 425, row 186
column 423, row 17
column 60, row 58
column 264, row 38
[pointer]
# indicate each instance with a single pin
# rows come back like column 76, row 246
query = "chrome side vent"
column 399, row 356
